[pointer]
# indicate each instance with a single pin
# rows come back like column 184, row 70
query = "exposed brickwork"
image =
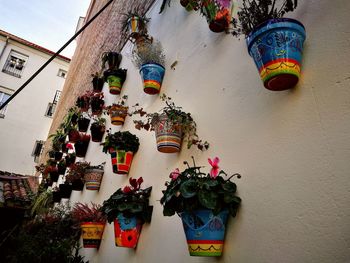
column 102, row 35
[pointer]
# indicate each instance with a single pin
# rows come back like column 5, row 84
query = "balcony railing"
column 14, row 69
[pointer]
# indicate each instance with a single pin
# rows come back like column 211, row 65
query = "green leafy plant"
column 121, row 141
column 130, row 201
column 84, row 213
column 177, row 116
column 58, row 138
column 192, row 190
column 254, row 12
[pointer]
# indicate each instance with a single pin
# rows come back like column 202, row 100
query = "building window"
column 38, row 148
column 62, row 73
column 15, row 64
column 50, row 109
column 3, row 97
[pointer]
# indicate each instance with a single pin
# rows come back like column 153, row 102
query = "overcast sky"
column 48, row 23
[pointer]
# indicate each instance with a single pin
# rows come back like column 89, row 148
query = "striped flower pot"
column 121, row 161
column 115, row 79
column 136, row 26
column 93, row 178
column 152, row 75
column 204, row 232
column 118, row 114
column 168, row 135
column 276, row 47
column 126, row 231
column 92, row 234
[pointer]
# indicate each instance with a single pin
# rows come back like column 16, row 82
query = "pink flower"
column 224, row 3
column 215, row 167
column 174, row 175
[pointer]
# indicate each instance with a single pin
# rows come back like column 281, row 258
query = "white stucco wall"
column 25, row 120
column 292, row 147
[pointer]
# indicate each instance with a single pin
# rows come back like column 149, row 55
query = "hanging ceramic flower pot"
column 190, row 5
column 92, row 234
column 73, row 135
column 205, row 232
column 136, row 26
column 78, row 185
column 81, row 146
column 276, row 47
column 126, row 231
column 97, row 83
column 83, row 124
column 65, row 190
column 56, row 196
column 118, row 114
column 121, row 161
column 97, row 131
column 168, row 135
column 115, row 79
column 152, row 75
column 93, row 178
column 218, row 14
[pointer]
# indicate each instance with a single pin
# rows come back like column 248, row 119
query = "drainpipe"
column 6, row 43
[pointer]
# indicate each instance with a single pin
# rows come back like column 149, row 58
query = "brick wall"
column 101, row 35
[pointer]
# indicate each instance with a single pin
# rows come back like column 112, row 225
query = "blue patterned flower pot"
column 276, row 46
column 152, row 75
column 205, row 232
column 127, row 231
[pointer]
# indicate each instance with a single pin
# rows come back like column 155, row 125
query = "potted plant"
column 65, row 190
column 92, row 222
column 190, row 5
column 61, row 167
column 56, row 195
column 149, row 58
column 93, row 176
column 275, row 43
column 218, row 14
column 121, row 146
column 118, row 111
column 51, row 170
column 115, row 79
column 83, row 102
column 75, row 175
column 113, row 60
column 203, row 201
column 96, row 102
column 70, row 158
column 82, row 145
column 134, row 24
column 97, row 82
column 98, row 128
column 171, row 125
column 129, row 209
column 83, row 123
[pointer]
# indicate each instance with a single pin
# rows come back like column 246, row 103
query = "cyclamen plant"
column 193, row 190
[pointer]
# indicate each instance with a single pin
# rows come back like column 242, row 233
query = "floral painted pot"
column 93, row 178
column 118, row 114
column 92, row 234
column 121, row 161
column 126, row 231
column 152, row 75
column 168, row 135
column 205, row 232
column 276, row 47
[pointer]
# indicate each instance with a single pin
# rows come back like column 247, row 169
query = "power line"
column 54, row 56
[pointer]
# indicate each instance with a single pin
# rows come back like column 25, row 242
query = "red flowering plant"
column 130, row 201
column 192, row 190
column 84, row 213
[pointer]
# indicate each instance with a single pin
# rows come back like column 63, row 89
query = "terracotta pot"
column 276, row 47
column 93, row 178
column 83, row 124
column 168, row 135
column 97, row 84
column 126, row 231
column 121, row 161
column 152, row 75
column 92, row 233
column 204, row 232
column 97, row 132
column 118, row 114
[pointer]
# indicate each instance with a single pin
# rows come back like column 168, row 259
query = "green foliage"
column 254, row 12
column 121, row 141
column 193, row 190
column 50, row 237
column 177, row 116
column 130, row 201
column 42, row 202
